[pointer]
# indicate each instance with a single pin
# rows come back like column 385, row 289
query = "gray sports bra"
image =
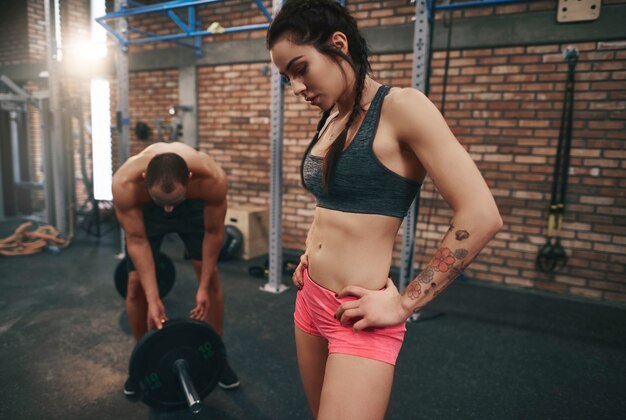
column 361, row 183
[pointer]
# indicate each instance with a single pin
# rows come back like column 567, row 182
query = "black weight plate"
column 152, row 362
column 231, row 244
column 165, row 272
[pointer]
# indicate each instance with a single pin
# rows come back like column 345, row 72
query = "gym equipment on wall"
column 177, row 366
column 552, row 256
column 174, row 130
column 142, row 131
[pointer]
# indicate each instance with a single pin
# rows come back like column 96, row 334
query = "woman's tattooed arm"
column 454, row 254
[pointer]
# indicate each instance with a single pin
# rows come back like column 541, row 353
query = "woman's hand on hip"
column 297, row 278
column 372, row 308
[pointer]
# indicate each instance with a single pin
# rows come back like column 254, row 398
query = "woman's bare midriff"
column 351, row 249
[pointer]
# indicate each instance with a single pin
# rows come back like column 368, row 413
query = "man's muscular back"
column 207, row 182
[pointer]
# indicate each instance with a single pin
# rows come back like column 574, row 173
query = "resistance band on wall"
column 552, row 256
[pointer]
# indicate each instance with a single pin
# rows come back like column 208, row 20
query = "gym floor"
column 478, row 352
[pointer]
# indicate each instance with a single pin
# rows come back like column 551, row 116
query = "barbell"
column 177, row 366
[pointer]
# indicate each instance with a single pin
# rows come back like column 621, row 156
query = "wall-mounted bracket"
column 578, row 10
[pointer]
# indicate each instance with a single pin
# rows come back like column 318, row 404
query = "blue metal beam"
column 112, row 31
column 167, row 13
column 153, row 35
column 261, row 6
column 479, row 3
column 159, row 7
column 189, row 30
column 198, row 34
column 177, row 20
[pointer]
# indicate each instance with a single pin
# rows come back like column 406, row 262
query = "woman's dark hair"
column 166, row 170
column 313, row 22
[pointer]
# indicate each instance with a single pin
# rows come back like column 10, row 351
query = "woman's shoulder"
column 399, row 98
column 404, row 105
column 411, row 113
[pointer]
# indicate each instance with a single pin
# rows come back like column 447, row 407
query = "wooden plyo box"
column 253, row 222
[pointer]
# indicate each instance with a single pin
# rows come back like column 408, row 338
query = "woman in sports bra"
column 373, row 147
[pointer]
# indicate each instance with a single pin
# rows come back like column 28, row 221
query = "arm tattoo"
column 462, row 235
column 414, row 290
column 427, row 275
column 459, row 254
column 446, row 261
column 443, row 260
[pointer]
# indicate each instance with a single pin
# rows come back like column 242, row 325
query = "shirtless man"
column 171, row 187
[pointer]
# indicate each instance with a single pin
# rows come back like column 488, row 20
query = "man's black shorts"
column 187, row 220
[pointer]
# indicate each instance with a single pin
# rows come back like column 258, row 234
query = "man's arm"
column 130, row 215
column 212, row 190
column 139, row 250
column 214, row 215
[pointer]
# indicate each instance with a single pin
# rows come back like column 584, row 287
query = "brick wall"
column 37, row 44
column 150, row 96
column 75, row 23
column 22, row 31
column 23, row 34
column 233, row 126
column 14, row 45
column 504, row 106
column 18, row 32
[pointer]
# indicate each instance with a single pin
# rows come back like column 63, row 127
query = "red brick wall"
column 23, row 34
column 76, row 27
column 14, row 45
column 233, row 127
column 37, row 44
column 150, row 96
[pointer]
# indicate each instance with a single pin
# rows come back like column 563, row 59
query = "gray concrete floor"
column 478, row 352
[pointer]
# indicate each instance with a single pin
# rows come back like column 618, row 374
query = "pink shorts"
column 314, row 314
